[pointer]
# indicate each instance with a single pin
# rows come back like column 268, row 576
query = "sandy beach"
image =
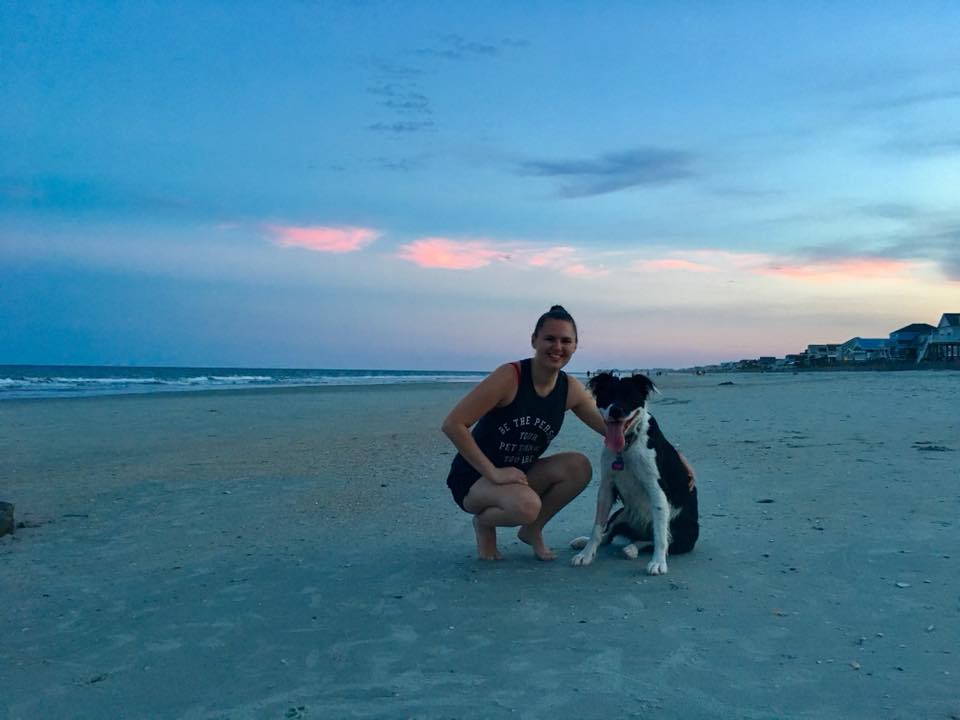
column 296, row 553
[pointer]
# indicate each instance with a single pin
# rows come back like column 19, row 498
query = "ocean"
column 49, row 381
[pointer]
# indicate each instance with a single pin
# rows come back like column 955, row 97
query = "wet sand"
column 295, row 553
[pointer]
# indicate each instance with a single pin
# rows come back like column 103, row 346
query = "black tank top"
column 517, row 434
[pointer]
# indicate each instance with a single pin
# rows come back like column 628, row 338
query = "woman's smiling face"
column 555, row 343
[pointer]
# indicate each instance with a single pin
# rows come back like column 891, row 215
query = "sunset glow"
column 409, row 185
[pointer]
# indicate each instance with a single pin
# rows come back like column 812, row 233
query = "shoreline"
column 238, row 554
column 235, row 391
column 656, row 375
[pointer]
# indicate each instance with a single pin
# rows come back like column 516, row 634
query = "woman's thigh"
column 565, row 466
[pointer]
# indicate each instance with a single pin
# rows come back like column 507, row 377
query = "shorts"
column 460, row 485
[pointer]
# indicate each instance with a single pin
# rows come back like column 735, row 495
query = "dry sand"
column 276, row 554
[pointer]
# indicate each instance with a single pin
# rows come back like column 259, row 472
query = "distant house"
column 944, row 342
column 905, row 342
column 824, row 354
column 860, row 350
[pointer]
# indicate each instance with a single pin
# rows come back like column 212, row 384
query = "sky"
column 409, row 185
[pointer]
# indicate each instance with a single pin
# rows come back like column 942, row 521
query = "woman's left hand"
column 691, row 475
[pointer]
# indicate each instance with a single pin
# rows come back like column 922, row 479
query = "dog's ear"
column 643, row 384
column 600, row 381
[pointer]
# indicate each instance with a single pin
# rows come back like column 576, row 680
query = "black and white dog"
column 642, row 469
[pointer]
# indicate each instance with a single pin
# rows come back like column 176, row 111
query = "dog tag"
column 617, row 463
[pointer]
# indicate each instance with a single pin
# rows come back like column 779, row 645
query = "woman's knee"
column 580, row 469
column 526, row 507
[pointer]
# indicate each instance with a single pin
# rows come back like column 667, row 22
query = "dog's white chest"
column 638, row 481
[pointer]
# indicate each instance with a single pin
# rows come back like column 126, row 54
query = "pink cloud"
column 564, row 259
column 677, row 264
column 439, row 252
column 323, row 239
column 703, row 261
column 445, row 253
column 581, row 270
column 721, row 259
column 551, row 257
column 782, row 266
column 833, row 270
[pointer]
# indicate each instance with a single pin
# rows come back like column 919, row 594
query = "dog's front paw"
column 631, row 551
column 579, row 543
column 657, row 567
column 583, row 558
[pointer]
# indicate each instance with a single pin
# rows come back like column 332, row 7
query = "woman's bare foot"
column 486, row 541
column 534, row 538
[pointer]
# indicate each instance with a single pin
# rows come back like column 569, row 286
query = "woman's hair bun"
column 556, row 312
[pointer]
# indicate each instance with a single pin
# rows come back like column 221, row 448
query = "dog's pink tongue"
column 614, row 438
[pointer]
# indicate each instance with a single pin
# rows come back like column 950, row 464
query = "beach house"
column 943, row 344
column 822, row 354
column 905, row 342
column 860, row 350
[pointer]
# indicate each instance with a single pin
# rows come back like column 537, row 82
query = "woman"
column 498, row 474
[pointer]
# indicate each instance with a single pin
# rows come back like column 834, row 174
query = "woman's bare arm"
column 584, row 406
column 497, row 389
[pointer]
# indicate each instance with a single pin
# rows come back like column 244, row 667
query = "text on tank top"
column 517, row 434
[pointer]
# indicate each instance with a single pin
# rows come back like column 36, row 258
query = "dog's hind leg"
column 578, row 543
column 685, row 527
column 626, row 526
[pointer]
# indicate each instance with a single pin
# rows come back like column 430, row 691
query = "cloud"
column 456, row 47
column 450, row 254
column 403, row 164
column 393, row 70
column 951, row 267
column 677, row 264
column 439, row 252
column 923, row 147
column 817, row 265
column 403, row 98
column 551, row 257
column 920, row 237
column 613, row 171
column 890, row 211
column 909, row 98
column 941, row 245
column 403, row 127
column 562, row 258
column 581, row 270
column 397, row 88
column 828, row 271
column 323, row 239
column 703, row 261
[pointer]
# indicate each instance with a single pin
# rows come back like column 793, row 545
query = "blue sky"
column 410, row 184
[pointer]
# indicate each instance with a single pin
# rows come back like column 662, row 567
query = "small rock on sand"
column 6, row 518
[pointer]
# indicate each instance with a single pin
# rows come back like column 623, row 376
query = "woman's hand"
column 691, row 475
column 507, row 476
